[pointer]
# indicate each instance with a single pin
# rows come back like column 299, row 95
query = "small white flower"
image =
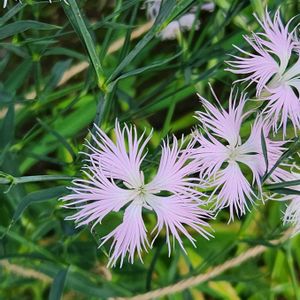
column 209, row 6
column 171, row 31
column 186, row 22
column 152, row 7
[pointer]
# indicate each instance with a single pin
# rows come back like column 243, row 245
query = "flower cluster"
column 275, row 69
column 217, row 167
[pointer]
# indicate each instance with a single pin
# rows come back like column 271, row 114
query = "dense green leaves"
column 18, row 76
column 22, row 26
column 38, row 196
column 138, row 78
column 12, row 12
column 164, row 13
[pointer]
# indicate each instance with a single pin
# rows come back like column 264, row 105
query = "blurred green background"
column 63, row 68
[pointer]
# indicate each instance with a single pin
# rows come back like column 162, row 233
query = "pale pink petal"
column 292, row 214
column 294, row 71
column 95, row 197
column 210, row 154
column 122, row 159
column 129, row 237
column 252, row 152
column 275, row 149
column 176, row 171
column 174, row 212
column 235, row 190
column 277, row 38
column 283, row 104
column 261, row 67
column 222, row 123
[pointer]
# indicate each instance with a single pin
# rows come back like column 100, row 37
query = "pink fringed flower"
column 115, row 181
column 221, row 154
column 271, row 68
column 292, row 212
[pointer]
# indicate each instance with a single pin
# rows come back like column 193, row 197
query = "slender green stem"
column 8, row 179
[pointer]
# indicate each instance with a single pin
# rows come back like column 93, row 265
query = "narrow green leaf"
column 7, row 127
column 143, row 70
column 76, row 19
column 56, row 73
column 15, row 49
column 59, row 137
column 282, row 184
column 264, row 150
column 179, row 8
column 26, row 242
column 258, row 7
column 22, row 26
column 109, row 34
column 3, row 63
column 286, row 191
column 8, row 179
column 125, row 47
column 67, row 126
column 64, row 51
column 16, row 78
column 12, row 12
column 164, row 13
column 39, row 196
column 88, row 284
column 58, row 284
column 152, row 265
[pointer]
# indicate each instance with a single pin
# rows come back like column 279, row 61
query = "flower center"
column 233, row 153
column 141, row 190
column 141, row 197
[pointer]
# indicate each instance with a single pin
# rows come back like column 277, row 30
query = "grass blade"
column 22, row 26
column 7, row 127
column 39, row 196
column 58, row 284
column 264, row 150
column 286, row 191
column 12, row 12
column 283, row 184
column 76, row 19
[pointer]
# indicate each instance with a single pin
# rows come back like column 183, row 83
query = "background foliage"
column 152, row 83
